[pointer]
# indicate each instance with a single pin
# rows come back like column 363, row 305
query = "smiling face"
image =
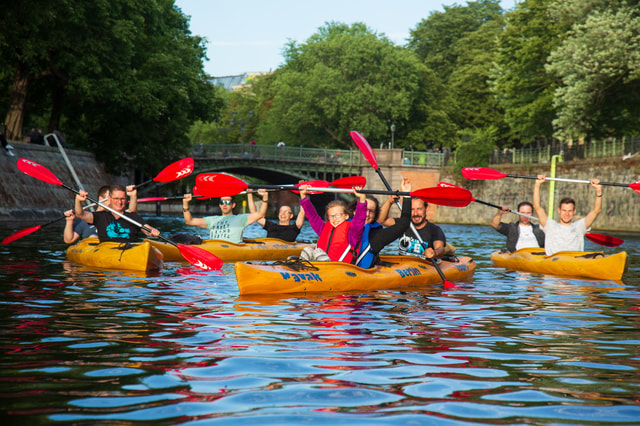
column 284, row 215
column 418, row 212
column 336, row 215
column 117, row 200
column 371, row 212
column 566, row 211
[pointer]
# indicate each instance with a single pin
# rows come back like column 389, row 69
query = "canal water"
column 83, row 346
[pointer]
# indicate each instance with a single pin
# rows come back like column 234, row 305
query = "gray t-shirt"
column 564, row 237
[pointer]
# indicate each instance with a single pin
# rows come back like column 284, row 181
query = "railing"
column 624, row 147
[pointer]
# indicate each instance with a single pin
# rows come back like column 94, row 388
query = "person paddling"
column 565, row 235
column 520, row 234
column 111, row 226
column 338, row 236
column 375, row 237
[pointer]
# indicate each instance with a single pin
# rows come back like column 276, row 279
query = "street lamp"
column 393, row 130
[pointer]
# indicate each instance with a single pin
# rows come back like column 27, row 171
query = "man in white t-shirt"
column 565, row 235
column 227, row 226
column 520, row 234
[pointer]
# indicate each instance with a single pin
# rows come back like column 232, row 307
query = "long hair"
column 354, row 203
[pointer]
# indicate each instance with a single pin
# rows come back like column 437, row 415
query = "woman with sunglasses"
column 338, row 236
column 375, row 237
column 228, row 226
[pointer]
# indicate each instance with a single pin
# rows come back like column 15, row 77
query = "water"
column 83, row 346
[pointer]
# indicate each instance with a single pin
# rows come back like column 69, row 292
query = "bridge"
column 284, row 164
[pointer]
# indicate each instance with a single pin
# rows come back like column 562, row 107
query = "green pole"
column 552, row 185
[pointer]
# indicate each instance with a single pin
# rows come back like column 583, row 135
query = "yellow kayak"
column 255, row 249
column 136, row 256
column 294, row 276
column 576, row 264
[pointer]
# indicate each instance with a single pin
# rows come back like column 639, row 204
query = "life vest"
column 366, row 257
column 334, row 242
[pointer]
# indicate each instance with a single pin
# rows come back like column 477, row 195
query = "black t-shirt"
column 410, row 245
column 283, row 232
column 120, row 230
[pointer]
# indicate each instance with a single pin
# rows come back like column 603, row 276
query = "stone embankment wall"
column 25, row 198
column 620, row 207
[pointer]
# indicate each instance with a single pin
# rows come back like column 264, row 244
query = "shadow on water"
column 88, row 346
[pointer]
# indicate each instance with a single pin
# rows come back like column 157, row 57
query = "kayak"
column 296, row 276
column 576, row 264
column 254, row 249
column 132, row 256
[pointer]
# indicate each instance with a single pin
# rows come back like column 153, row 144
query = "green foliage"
column 475, row 147
column 344, row 78
column 123, row 79
column 600, row 76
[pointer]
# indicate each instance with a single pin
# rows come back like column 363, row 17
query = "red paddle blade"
column 604, row 240
column 349, row 182
column 175, row 171
column 20, row 234
column 635, row 186
column 37, row 171
column 313, row 184
column 195, row 191
column 481, row 173
column 450, row 185
column 212, row 185
column 200, row 258
column 365, row 148
column 444, row 196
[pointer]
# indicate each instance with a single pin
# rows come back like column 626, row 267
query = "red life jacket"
column 334, row 242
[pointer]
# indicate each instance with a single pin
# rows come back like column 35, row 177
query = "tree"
column 598, row 65
column 123, row 79
column 524, row 89
column 343, row 78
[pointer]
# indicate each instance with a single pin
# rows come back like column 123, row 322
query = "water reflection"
column 89, row 346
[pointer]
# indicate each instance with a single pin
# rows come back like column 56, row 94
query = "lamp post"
column 393, row 130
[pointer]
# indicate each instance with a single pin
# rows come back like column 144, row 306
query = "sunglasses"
column 225, row 202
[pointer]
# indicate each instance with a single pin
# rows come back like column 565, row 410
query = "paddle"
column 368, row 153
column 23, row 233
column 226, row 185
column 483, row 173
column 603, row 240
column 195, row 255
column 174, row 171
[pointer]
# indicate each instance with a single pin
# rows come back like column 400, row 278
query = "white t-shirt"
column 526, row 238
column 564, row 237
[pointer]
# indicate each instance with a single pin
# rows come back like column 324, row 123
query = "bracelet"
column 185, row 210
column 598, row 195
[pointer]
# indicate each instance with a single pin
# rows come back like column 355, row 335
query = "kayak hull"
column 136, row 256
column 304, row 277
column 566, row 263
column 255, row 249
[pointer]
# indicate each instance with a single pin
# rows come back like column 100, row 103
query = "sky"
column 248, row 36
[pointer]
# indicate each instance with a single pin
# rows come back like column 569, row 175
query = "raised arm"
column 70, row 236
column 79, row 211
column 188, row 218
column 542, row 215
column 252, row 208
column 300, row 218
column 132, row 193
column 495, row 222
column 383, row 217
column 255, row 216
column 597, row 204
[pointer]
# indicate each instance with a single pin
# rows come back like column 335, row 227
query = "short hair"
column 525, row 203
column 117, row 187
column 103, row 191
column 426, row 204
column 568, row 200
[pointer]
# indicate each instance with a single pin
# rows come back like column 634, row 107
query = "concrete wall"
column 25, row 198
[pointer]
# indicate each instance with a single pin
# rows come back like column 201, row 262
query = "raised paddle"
column 173, row 171
column 221, row 185
column 483, row 173
column 27, row 231
column 368, row 153
column 450, row 185
column 195, row 255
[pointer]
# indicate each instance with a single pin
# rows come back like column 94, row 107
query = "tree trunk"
column 56, row 107
column 17, row 99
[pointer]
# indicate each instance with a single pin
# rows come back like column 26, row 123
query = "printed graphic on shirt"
column 410, row 246
column 114, row 230
column 221, row 230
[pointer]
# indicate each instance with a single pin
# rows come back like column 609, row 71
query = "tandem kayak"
column 132, row 256
column 295, row 276
column 254, row 249
column 577, row 264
